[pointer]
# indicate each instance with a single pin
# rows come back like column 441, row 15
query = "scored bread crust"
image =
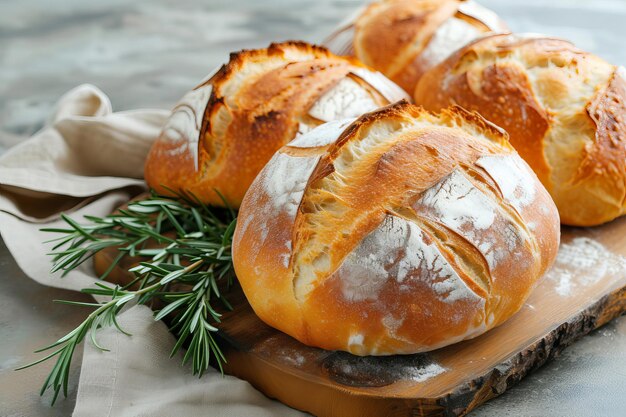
column 400, row 232
column 222, row 133
column 562, row 107
column 405, row 38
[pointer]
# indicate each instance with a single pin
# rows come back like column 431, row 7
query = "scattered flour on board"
column 427, row 372
column 386, row 369
column 291, row 356
column 288, row 351
column 582, row 262
column 346, row 99
column 366, row 270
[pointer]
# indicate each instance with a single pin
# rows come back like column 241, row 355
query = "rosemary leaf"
column 194, row 255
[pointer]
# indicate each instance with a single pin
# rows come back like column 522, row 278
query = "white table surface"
column 147, row 54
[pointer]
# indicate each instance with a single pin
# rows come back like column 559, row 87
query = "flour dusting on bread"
column 404, row 38
column 183, row 126
column 221, row 134
column 346, row 99
column 387, row 88
column 458, row 203
column 392, row 240
column 284, row 180
column 397, row 249
column 513, row 177
column 484, row 15
column 322, row 135
column 450, row 36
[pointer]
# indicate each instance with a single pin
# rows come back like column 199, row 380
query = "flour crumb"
column 583, row 262
column 427, row 372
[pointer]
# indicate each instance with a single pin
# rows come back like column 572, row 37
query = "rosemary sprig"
column 184, row 273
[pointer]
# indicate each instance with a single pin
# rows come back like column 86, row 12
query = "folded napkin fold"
column 89, row 160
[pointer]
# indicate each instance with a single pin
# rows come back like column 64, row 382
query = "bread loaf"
column 224, row 131
column 563, row 108
column 405, row 38
column 400, row 232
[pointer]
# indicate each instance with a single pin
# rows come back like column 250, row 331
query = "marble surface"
column 147, row 54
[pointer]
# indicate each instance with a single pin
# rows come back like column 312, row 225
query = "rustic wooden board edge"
column 291, row 389
column 513, row 370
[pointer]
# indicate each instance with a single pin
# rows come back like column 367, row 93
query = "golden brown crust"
column 393, row 36
column 604, row 160
column 398, row 235
column 555, row 102
column 224, row 131
column 385, row 28
column 488, row 92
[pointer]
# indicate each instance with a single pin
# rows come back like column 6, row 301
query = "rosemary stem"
column 114, row 301
column 192, row 253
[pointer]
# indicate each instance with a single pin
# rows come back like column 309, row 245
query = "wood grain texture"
column 585, row 289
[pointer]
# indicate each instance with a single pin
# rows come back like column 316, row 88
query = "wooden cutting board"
column 584, row 290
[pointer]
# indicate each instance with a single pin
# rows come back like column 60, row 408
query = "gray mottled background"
column 147, row 54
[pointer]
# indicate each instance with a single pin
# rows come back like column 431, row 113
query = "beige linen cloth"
column 89, row 160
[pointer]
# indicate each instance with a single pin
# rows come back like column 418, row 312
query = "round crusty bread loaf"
column 564, row 110
column 222, row 133
column 405, row 38
column 401, row 232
